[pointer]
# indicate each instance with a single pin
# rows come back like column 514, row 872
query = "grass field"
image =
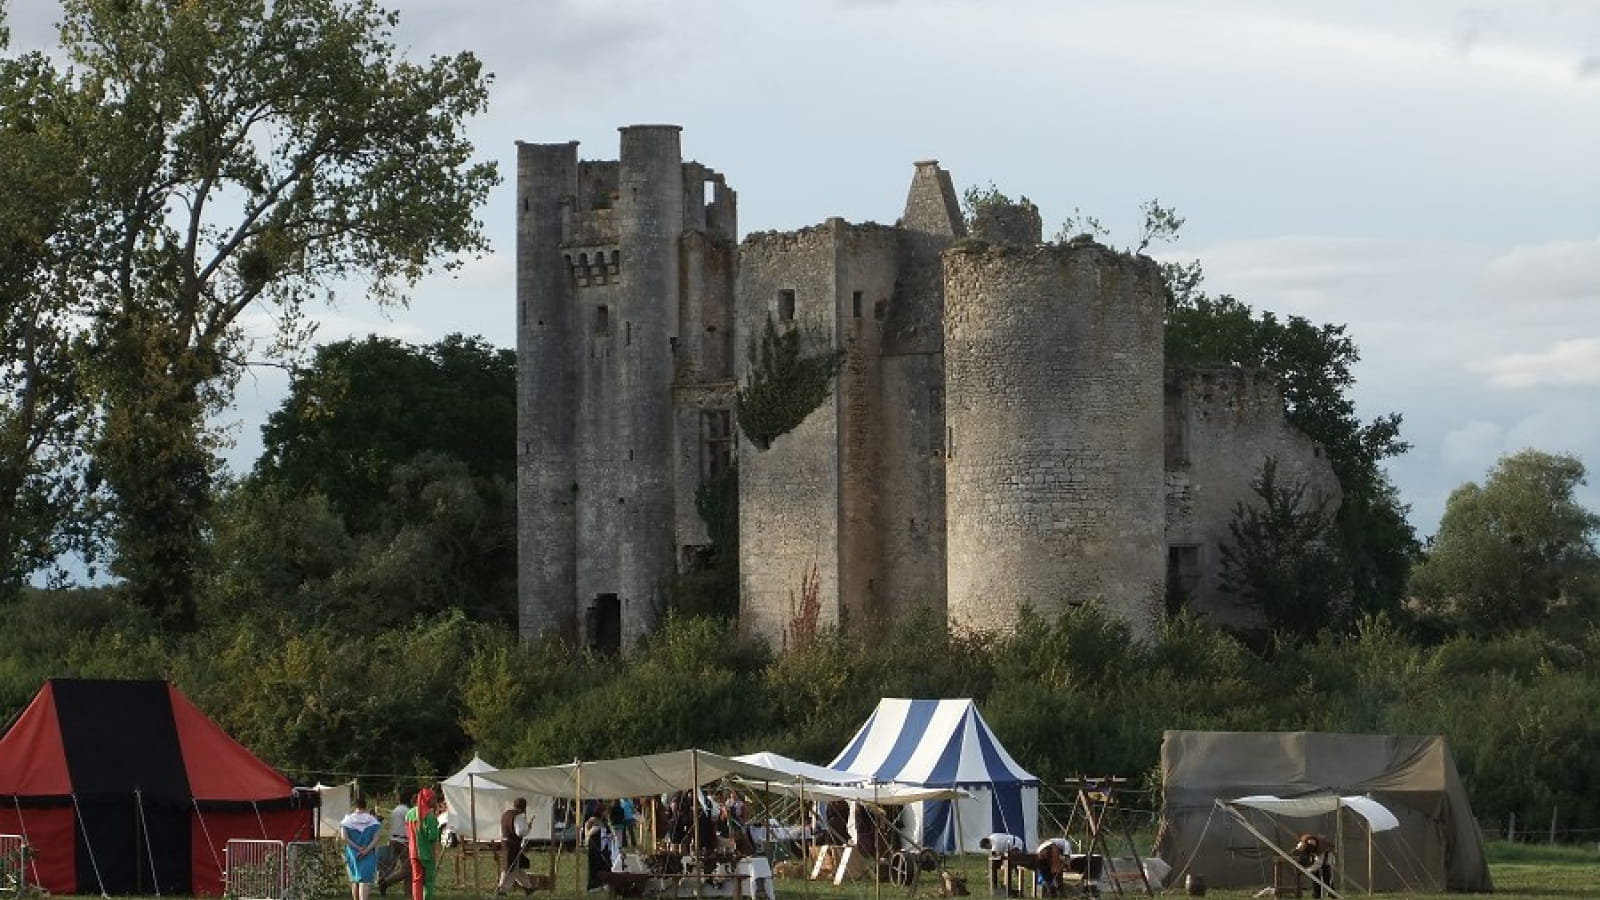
column 1520, row 872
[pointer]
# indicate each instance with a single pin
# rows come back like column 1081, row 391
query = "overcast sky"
column 1426, row 172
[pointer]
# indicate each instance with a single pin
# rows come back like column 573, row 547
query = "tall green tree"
column 243, row 154
column 1313, row 364
column 1282, row 558
column 1516, row 551
column 385, row 491
column 45, row 487
column 361, row 408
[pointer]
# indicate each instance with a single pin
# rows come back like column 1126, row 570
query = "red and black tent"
column 125, row 787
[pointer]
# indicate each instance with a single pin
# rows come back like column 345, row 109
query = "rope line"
column 210, row 844
column 89, row 845
column 149, row 849
column 22, row 825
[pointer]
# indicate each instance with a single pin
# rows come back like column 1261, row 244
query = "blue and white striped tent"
column 946, row 743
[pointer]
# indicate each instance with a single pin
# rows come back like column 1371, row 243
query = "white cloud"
column 1566, row 423
column 1557, row 271
column 1472, row 448
column 1570, row 362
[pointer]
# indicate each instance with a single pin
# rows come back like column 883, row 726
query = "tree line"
column 1074, row 696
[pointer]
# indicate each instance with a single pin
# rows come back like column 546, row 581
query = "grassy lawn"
column 1520, row 871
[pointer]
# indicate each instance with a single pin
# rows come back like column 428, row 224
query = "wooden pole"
column 872, row 825
column 1369, row 858
column 1338, row 840
column 1553, row 811
column 577, row 814
column 808, row 839
column 1278, row 850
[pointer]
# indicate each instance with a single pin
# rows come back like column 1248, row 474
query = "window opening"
column 716, row 442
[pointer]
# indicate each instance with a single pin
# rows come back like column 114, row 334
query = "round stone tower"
column 1053, row 404
column 650, row 222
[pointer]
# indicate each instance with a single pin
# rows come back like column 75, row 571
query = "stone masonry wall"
column 865, row 266
column 1229, row 422
column 789, row 493
column 1053, row 403
column 547, row 177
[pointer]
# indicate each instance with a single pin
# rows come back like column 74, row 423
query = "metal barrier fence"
column 307, row 865
column 13, row 865
column 255, row 870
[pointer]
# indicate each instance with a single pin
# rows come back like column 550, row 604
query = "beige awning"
column 634, row 776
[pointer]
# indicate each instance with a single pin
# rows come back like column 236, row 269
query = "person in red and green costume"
column 422, row 827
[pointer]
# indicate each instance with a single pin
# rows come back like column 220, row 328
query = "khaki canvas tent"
column 1436, row 847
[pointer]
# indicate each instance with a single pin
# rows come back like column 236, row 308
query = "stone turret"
column 616, row 432
column 547, row 179
column 1053, row 404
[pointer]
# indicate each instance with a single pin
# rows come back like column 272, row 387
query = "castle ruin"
column 1002, row 431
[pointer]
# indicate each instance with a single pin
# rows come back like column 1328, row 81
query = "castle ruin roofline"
column 833, row 226
column 926, row 163
column 547, row 144
column 976, row 247
column 650, row 126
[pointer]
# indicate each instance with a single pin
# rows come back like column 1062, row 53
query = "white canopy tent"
column 476, row 798
column 1376, row 815
column 803, row 770
column 635, row 776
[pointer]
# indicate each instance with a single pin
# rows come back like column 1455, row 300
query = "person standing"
column 398, row 866
column 513, row 829
column 422, row 830
column 360, row 830
column 599, row 854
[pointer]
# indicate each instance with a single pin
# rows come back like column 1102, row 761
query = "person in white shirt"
column 513, row 830
column 398, row 866
column 999, row 844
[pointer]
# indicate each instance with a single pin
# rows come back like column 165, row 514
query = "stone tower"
column 624, row 322
column 1053, row 404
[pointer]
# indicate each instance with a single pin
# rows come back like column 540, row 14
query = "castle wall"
column 547, row 396
column 1223, row 424
column 865, row 262
column 598, row 490
column 704, row 390
column 789, row 516
column 1053, row 407
column 910, row 435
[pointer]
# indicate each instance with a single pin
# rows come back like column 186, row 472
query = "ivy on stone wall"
column 785, row 384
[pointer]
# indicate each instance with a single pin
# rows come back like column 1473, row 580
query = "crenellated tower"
column 624, row 282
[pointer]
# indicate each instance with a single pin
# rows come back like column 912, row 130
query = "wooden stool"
column 1287, row 880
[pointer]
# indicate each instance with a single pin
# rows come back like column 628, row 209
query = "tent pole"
column 1238, row 817
column 472, row 812
column 577, row 813
column 1369, row 858
column 1338, row 840
column 808, row 840
column 872, row 825
column 961, row 841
